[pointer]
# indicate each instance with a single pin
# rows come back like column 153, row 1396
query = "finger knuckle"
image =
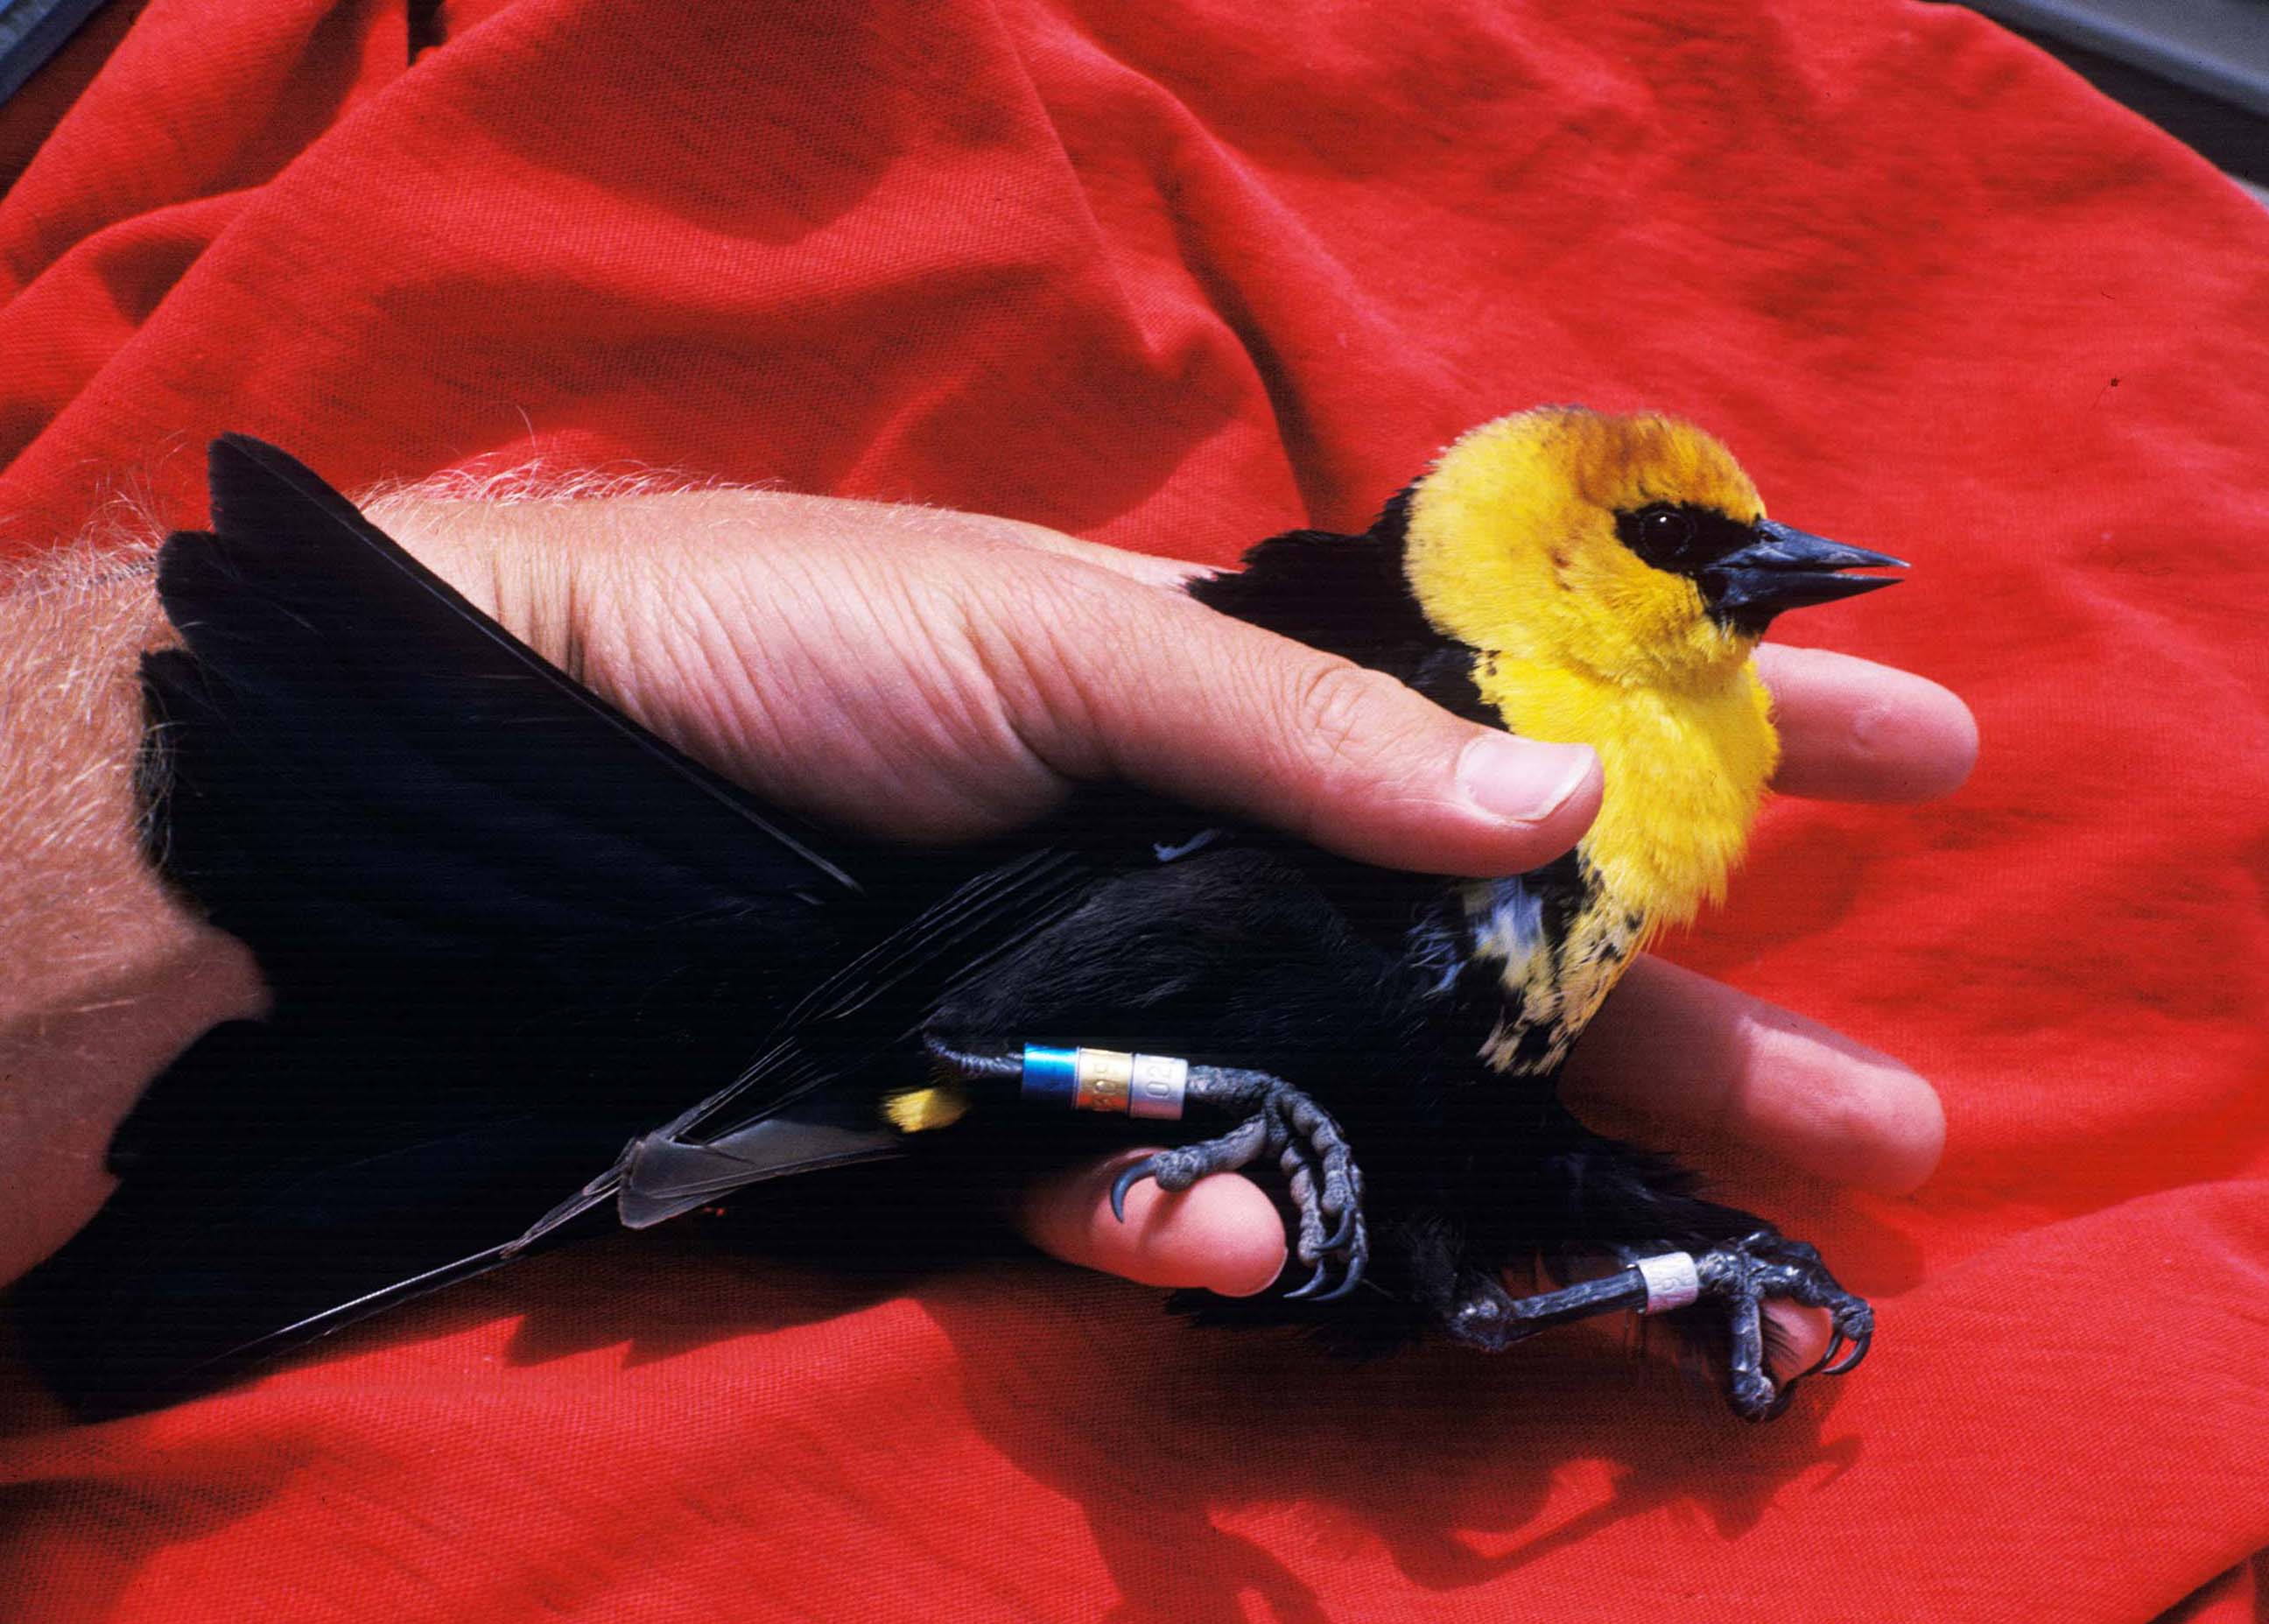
column 1335, row 711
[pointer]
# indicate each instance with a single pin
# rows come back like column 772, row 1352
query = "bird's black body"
column 1347, row 595
column 508, row 931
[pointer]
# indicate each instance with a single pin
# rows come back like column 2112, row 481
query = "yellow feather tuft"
column 918, row 1111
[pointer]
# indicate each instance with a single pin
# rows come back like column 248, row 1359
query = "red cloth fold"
column 1177, row 276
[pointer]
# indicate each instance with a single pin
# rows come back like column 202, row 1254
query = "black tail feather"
column 507, row 928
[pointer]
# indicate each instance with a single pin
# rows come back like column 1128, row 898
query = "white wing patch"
column 1551, row 991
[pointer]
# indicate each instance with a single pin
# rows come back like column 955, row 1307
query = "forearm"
column 103, row 975
column 106, row 975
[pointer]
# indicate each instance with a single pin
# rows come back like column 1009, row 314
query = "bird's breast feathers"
column 1685, row 772
column 1553, row 962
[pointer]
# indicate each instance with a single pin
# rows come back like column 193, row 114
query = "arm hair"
column 103, row 975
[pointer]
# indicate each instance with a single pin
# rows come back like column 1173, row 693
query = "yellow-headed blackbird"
column 501, row 920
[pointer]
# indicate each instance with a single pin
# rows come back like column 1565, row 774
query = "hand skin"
column 956, row 675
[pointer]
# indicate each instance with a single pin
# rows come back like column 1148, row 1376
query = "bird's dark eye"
column 1668, row 530
column 1661, row 536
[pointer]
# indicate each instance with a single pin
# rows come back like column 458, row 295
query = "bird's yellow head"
column 1631, row 548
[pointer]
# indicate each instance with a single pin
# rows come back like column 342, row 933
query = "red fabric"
column 1177, row 274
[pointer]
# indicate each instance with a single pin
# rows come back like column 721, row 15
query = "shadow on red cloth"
column 1435, row 1455
column 1088, row 1386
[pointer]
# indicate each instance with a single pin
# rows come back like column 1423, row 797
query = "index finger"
column 1683, row 1052
column 1152, row 570
column 1100, row 682
column 1850, row 729
column 1853, row 730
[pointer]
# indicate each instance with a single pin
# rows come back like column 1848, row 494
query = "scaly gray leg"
column 1735, row 1279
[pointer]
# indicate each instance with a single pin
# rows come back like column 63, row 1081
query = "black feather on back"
column 1348, row 595
column 1342, row 593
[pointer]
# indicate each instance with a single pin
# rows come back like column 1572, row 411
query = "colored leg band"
column 1107, row 1080
column 1051, row 1076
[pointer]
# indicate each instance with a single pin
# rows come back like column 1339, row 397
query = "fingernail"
column 1521, row 780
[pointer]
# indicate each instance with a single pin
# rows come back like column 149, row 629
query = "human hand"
column 934, row 675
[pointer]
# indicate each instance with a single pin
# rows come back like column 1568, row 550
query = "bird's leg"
column 1680, row 1255
column 1734, row 1279
column 1278, row 1120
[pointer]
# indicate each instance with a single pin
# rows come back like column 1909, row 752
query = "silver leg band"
column 1158, row 1085
column 1672, row 1281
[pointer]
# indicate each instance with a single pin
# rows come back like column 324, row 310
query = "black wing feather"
column 425, row 780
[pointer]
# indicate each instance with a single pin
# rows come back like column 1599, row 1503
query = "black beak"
column 1786, row 569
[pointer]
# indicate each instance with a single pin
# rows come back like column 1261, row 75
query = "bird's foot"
column 1321, row 1173
column 1740, row 1277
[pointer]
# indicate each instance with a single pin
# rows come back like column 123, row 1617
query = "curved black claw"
column 1182, row 1166
column 1320, row 1172
column 1826, row 1365
column 1326, row 1187
column 1745, row 1274
column 1349, row 1280
column 1133, row 1174
column 1860, row 1339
